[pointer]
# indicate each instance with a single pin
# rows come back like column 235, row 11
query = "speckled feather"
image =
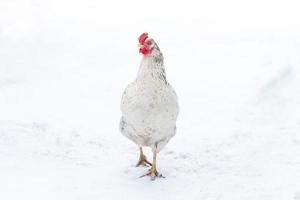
column 149, row 104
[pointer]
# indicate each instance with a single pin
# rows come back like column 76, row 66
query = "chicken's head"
column 146, row 44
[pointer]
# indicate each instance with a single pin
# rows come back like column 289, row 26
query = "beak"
column 140, row 45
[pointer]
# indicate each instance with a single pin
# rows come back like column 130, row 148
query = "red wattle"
column 145, row 51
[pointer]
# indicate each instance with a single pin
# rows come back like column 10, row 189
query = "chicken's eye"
column 149, row 43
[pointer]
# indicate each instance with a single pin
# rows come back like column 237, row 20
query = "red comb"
column 143, row 37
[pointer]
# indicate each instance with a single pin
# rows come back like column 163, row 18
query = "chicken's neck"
column 152, row 71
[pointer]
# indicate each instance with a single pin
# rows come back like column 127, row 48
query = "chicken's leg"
column 143, row 160
column 153, row 173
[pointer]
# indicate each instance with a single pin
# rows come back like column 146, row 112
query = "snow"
column 63, row 68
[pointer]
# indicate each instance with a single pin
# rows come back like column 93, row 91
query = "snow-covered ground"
column 64, row 65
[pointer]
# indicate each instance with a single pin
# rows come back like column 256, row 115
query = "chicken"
column 149, row 105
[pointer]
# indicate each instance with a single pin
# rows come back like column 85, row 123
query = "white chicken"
column 149, row 105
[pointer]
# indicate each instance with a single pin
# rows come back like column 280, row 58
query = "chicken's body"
column 149, row 105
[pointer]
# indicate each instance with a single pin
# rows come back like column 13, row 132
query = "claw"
column 143, row 162
column 153, row 173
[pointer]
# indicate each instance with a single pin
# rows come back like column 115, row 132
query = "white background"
column 234, row 65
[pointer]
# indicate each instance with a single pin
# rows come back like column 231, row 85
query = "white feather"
column 149, row 105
